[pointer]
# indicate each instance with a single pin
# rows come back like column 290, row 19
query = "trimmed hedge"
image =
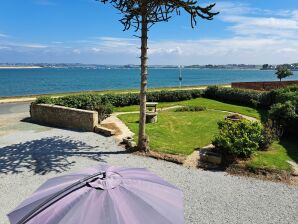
column 239, row 96
column 285, row 94
column 84, row 101
column 284, row 111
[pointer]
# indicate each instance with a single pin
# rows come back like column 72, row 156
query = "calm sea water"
column 18, row 82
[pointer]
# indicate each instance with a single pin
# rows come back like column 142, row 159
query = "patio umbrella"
column 102, row 195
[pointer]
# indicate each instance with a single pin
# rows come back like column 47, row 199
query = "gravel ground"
column 30, row 154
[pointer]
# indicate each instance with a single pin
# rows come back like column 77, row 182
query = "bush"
column 238, row 138
column 285, row 117
column 190, row 108
column 104, row 110
column 103, row 104
column 82, row 101
column 270, row 133
column 45, row 100
column 283, row 113
column 285, row 94
column 239, row 96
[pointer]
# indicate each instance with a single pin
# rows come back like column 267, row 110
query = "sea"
column 23, row 82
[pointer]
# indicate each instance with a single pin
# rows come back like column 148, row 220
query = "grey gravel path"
column 30, row 154
column 8, row 108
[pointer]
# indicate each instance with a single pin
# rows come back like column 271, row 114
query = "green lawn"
column 210, row 104
column 277, row 156
column 178, row 132
column 182, row 132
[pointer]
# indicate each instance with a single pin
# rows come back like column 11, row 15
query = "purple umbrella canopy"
column 103, row 195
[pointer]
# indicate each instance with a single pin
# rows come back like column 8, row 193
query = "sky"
column 86, row 31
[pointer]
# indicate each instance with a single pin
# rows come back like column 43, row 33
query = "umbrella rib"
column 75, row 186
column 145, row 202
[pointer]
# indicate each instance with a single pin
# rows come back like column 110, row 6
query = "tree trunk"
column 143, row 141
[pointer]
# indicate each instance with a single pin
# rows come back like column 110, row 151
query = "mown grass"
column 208, row 103
column 178, row 132
column 277, row 156
column 182, row 132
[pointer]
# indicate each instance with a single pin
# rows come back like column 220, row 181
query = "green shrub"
column 239, row 96
column 191, row 108
column 238, row 138
column 285, row 117
column 284, row 111
column 174, row 95
column 82, row 101
column 270, row 133
column 45, row 100
column 285, row 94
column 104, row 110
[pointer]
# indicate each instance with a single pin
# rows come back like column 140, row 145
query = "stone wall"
column 263, row 86
column 64, row 117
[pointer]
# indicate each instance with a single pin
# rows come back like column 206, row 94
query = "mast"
column 180, row 75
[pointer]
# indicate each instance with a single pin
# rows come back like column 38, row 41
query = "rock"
column 295, row 168
column 208, row 156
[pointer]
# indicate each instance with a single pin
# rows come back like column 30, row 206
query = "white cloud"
column 234, row 8
column 76, row 51
column 57, row 42
column 94, row 49
column 258, row 36
column 39, row 46
column 248, row 21
column 253, row 50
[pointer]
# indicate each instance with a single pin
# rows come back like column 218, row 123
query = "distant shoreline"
column 19, row 67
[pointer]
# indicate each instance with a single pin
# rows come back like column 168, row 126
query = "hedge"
column 84, row 101
column 285, row 94
column 284, row 111
column 239, row 96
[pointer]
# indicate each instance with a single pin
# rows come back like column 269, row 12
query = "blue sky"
column 246, row 31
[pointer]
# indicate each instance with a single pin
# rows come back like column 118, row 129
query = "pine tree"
column 141, row 15
column 283, row 72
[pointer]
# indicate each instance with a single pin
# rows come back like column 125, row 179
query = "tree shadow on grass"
column 42, row 156
column 291, row 145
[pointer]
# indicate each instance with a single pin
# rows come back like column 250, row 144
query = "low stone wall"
column 263, row 86
column 64, row 117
